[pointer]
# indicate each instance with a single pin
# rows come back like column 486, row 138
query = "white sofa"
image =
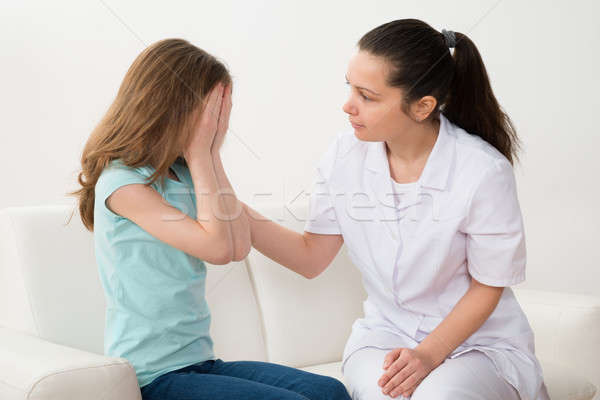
column 52, row 315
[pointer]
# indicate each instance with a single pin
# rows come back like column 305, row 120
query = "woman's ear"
column 422, row 108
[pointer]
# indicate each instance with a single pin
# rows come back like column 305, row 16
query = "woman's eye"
column 361, row 95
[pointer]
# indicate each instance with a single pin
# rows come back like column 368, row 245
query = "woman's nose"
column 349, row 108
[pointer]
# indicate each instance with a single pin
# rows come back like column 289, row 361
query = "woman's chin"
column 361, row 134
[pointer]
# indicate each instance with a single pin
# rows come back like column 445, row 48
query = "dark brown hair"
column 150, row 120
column 422, row 65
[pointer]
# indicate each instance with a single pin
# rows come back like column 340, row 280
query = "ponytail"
column 471, row 103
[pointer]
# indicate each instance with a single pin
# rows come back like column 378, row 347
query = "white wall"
column 62, row 63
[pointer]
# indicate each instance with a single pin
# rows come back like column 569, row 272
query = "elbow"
column 221, row 260
column 222, row 255
column 314, row 272
column 241, row 252
column 310, row 276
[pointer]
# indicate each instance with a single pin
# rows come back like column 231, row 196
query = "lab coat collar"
column 435, row 175
column 437, row 167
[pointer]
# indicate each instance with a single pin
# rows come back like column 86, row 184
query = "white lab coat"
column 461, row 220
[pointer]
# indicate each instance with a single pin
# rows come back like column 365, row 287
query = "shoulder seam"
column 476, row 187
column 495, row 154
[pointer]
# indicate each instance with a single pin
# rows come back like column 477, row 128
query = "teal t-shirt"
column 157, row 316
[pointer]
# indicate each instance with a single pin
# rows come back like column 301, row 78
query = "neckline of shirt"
column 176, row 171
column 403, row 185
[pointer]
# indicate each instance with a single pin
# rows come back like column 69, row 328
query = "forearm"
column 208, row 202
column 282, row 245
column 240, row 227
column 472, row 310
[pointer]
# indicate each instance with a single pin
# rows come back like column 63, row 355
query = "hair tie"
column 450, row 38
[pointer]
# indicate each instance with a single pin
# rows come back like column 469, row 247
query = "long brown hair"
column 149, row 122
column 422, row 65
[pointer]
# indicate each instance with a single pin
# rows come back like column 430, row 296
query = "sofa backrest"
column 50, row 287
column 306, row 322
column 236, row 326
column 566, row 327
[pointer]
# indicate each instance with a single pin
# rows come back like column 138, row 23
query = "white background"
column 62, row 63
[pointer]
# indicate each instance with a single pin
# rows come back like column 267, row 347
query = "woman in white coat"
column 422, row 192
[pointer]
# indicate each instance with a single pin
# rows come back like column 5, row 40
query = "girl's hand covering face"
column 223, row 123
column 205, row 125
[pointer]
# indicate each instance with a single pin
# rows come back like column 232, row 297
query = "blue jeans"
column 243, row 380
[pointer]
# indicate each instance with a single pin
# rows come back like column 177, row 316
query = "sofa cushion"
column 35, row 369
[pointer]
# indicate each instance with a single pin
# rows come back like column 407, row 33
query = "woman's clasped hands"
column 405, row 369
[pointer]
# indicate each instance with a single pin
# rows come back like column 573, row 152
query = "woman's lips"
column 356, row 126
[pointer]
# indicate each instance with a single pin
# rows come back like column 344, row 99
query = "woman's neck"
column 408, row 154
column 414, row 145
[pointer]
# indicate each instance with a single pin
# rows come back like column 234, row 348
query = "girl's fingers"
column 214, row 103
column 225, row 108
column 221, row 111
column 218, row 102
column 228, row 102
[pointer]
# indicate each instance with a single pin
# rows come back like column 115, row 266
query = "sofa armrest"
column 566, row 328
column 32, row 368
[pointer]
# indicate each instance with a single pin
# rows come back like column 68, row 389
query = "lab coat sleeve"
column 321, row 215
column 495, row 244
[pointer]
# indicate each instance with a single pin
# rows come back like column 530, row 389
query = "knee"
column 428, row 390
column 330, row 389
column 367, row 389
column 338, row 391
